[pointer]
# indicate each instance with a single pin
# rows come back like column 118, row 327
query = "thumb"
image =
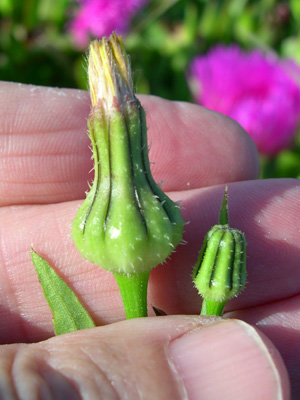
column 173, row 357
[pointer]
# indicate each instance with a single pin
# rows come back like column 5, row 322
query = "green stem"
column 133, row 289
column 212, row 307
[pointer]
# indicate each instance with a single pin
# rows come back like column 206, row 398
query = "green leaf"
column 6, row 7
column 68, row 313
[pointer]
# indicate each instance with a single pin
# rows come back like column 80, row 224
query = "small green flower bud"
column 126, row 225
column 220, row 271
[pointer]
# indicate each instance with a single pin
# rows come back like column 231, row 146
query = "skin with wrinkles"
column 43, row 173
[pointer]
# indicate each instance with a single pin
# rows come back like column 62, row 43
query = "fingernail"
column 227, row 360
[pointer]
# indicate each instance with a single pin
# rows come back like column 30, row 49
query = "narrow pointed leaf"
column 68, row 313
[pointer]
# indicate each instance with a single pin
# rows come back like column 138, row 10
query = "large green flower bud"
column 220, row 271
column 126, row 224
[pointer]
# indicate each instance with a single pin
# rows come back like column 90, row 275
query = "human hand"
column 44, row 168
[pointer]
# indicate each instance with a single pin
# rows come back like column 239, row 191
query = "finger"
column 267, row 211
column 45, row 156
column 192, row 147
column 152, row 358
column 43, row 144
column 280, row 322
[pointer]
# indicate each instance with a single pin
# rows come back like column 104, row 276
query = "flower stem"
column 133, row 289
column 212, row 307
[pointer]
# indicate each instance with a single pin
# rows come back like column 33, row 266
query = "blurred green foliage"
column 36, row 46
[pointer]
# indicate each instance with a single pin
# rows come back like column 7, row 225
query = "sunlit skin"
column 44, row 170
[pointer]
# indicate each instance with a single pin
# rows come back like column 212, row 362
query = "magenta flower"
column 102, row 17
column 260, row 92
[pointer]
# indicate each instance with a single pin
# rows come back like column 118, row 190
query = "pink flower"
column 260, row 92
column 101, row 17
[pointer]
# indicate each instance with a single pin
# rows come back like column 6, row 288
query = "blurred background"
column 238, row 57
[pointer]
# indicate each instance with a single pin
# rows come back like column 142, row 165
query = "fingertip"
column 195, row 147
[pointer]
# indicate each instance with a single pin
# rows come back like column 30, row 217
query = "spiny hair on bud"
column 92, row 169
column 178, row 205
